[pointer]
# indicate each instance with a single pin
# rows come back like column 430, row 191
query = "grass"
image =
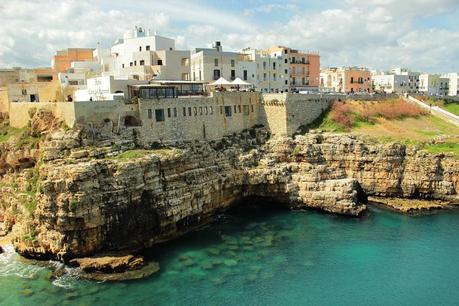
column 139, row 153
column 417, row 130
column 445, row 103
column 452, row 148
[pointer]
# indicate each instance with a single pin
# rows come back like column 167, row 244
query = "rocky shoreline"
column 79, row 196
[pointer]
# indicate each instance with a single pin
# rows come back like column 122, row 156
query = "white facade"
column 453, row 83
column 399, row 80
column 78, row 73
column 266, row 72
column 105, row 88
column 139, row 55
column 433, row 84
column 209, row 64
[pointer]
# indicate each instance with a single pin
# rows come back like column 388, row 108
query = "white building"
column 105, row 88
column 269, row 70
column 433, row 84
column 453, row 83
column 398, row 80
column 139, row 55
column 209, row 64
column 78, row 73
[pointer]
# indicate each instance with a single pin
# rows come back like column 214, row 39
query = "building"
column 453, row 89
column 304, row 67
column 390, row 83
column 63, row 59
column 105, row 88
column 268, row 72
column 209, row 64
column 433, row 84
column 345, row 80
column 139, row 55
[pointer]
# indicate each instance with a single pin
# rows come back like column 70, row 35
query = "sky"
column 422, row 35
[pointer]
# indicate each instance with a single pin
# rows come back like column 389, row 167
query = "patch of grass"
column 449, row 105
column 139, row 153
column 452, row 148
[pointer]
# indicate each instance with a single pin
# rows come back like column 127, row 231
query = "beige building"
column 209, row 64
column 346, row 80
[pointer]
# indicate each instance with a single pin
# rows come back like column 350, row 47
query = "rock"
column 99, row 204
column 143, row 272
column 108, row 264
column 230, row 262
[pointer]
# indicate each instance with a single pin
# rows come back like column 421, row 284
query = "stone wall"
column 284, row 113
column 19, row 112
column 198, row 118
column 189, row 118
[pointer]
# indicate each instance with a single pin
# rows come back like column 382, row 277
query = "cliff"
column 91, row 199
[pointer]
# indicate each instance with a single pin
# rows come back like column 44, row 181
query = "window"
column 264, row 76
column 169, row 112
column 286, row 82
column 122, row 65
column 286, row 61
column 216, row 74
column 147, row 48
column 285, row 51
column 246, row 110
column 175, row 112
column 195, row 111
column 160, row 62
column 232, row 63
column 159, row 115
column 200, row 110
column 274, row 66
column 245, row 75
column 216, row 62
column 274, row 76
column 302, row 60
column 211, row 110
column 150, row 114
column 142, row 63
column 286, row 71
column 352, row 80
column 221, row 110
column 140, row 48
column 130, row 64
column 251, row 107
column 233, row 75
column 264, row 65
column 303, row 81
column 189, row 111
column 239, row 109
column 135, row 63
column 228, row 111
column 184, row 112
column 235, row 109
column 206, row 111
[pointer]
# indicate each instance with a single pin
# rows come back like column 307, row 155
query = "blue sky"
column 422, row 35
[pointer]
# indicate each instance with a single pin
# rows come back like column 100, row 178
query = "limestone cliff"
column 96, row 199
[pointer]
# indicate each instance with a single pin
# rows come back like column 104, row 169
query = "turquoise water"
column 258, row 255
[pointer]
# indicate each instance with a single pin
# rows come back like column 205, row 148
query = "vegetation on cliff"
column 392, row 120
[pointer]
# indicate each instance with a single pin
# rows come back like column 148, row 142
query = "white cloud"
column 376, row 33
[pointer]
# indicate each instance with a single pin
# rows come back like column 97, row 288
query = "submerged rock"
column 109, row 264
column 115, row 268
column 143, row 272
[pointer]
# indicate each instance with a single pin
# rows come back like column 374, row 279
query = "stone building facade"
column 188, row 118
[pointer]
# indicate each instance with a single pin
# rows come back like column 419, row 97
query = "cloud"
column 375, row 33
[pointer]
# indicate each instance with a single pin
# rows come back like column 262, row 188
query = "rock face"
column 94, row 200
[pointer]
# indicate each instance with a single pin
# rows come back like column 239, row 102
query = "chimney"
column 218, row 46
